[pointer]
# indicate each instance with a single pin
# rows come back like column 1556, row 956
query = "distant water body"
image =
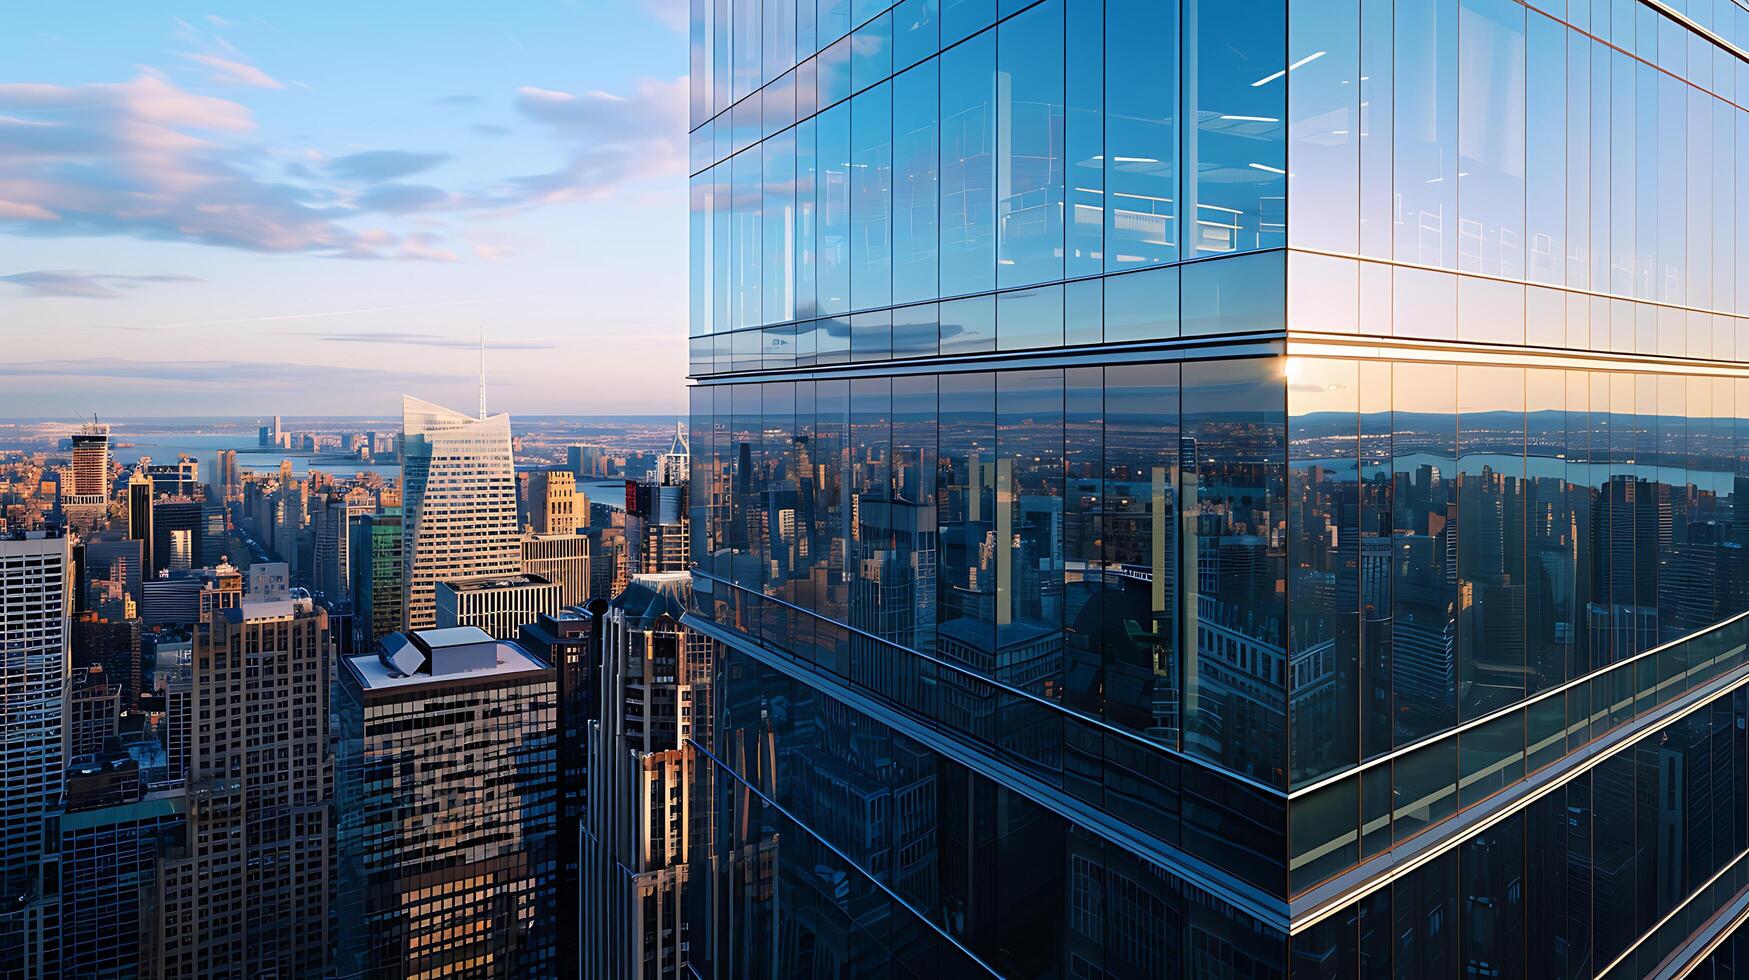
column 165, row 447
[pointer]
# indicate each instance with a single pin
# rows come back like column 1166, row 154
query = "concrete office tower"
column 445, row 795
column 248, row 895
column 36, row 577
column 84, row 503
column 500, row 605
column 562, row 559
column 1173, row 482
column 553, row 502
column 140, row 493
column 640, row 831
column 459, row 504
column 376, row 574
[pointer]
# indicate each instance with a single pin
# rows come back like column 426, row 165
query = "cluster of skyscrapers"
column 362, row 754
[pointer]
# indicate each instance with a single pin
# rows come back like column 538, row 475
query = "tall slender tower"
column 459, row 479
column 35, row 578
column 84, row 505
column 140, row 520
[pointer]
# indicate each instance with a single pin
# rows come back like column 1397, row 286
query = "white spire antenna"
column 482, row 371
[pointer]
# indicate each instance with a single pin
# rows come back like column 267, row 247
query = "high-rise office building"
column 140, row 495
column 445, row 795
column 376, row 574
column 332, row 520
column 459, row 503
column 562, row 559
column 35, row 579
column 110, row 848
column 84, row 502
column 585, row 462
column 553, row 502
column 640, row 830
column 1215, row 488
column 247, row 895
column 227, row 482
column 571, row 642
column 111, row 644
column 93, row 705
column 673, row 466
column 499, row 604
column 107, row 557
column 178, row 535
column 178, row 479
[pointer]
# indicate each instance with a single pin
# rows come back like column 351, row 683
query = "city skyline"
column 198, row 211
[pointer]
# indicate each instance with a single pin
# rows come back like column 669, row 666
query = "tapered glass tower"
column 459, row 518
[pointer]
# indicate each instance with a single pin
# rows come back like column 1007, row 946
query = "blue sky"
column 248, row 208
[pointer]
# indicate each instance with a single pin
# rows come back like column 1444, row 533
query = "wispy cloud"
column 375, row 166
column 227, row 71
column 67, row 283
column 617, row 138
column 673, row 13
column 431, row 340
column 147, row 159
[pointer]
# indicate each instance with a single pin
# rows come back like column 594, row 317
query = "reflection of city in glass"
column 1241, row 488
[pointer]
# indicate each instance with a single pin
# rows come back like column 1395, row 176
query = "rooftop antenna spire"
column 482, row 370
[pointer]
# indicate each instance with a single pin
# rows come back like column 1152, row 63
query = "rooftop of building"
column 439, row 656
column 484, row 582
column 648, row 597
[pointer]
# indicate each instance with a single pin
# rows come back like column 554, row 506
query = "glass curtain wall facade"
column 1220, row 487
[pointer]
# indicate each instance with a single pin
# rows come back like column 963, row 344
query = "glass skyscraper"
column 1221, row 487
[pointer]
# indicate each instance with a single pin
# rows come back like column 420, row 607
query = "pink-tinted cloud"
column 617, row 138
column 148, row 159
column 226, row 71
column 673, row 13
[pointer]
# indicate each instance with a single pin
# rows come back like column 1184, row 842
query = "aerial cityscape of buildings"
column 1199, row 489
